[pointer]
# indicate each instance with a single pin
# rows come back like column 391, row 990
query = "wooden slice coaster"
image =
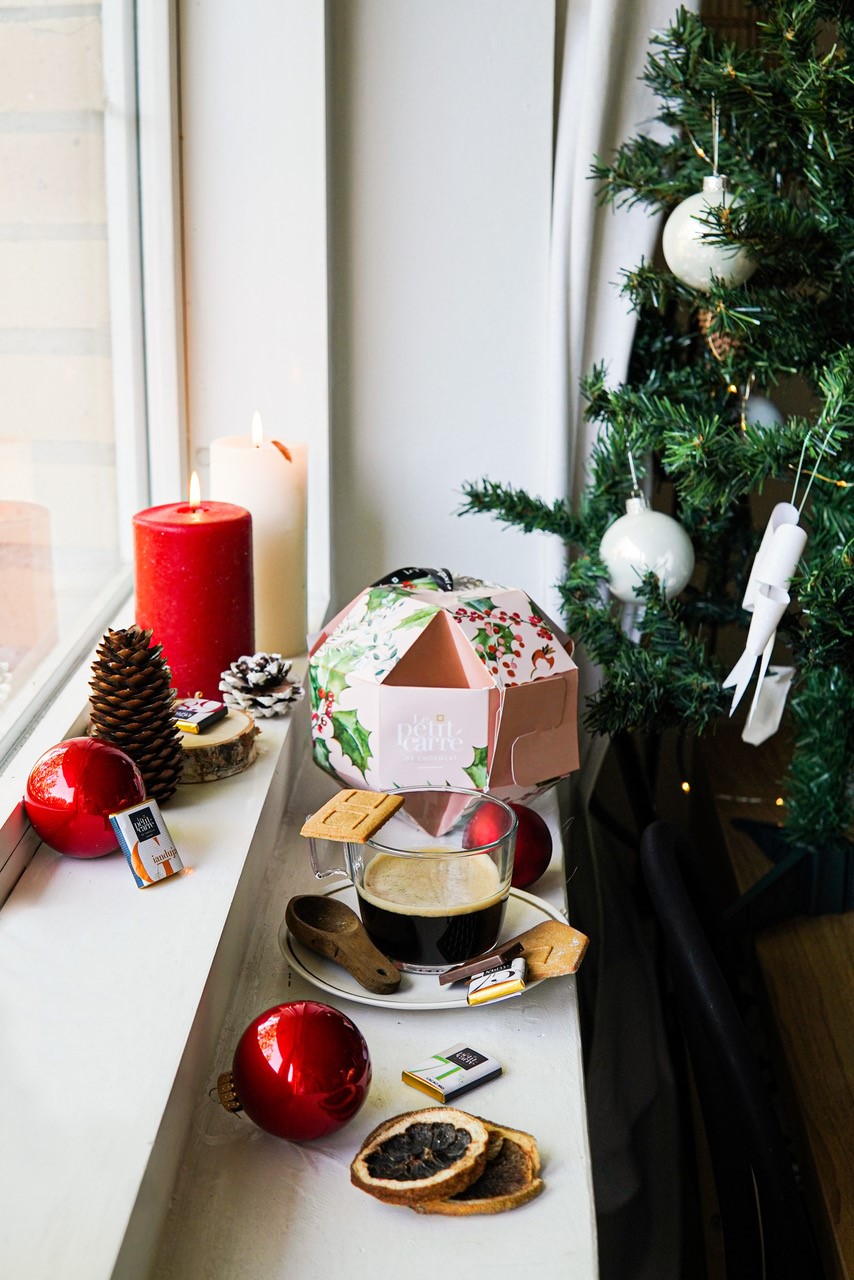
column 228, row 747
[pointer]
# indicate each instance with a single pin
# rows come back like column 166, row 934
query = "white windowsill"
column 251, row 1205
column 107, row 995
column 118, row 1007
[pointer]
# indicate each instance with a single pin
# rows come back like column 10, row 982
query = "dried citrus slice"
column 421, row 1155
column 509, row 1180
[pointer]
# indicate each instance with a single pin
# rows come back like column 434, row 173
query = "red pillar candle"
column 194, row 588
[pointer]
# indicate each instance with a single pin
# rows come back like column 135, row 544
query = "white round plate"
column 416, row 990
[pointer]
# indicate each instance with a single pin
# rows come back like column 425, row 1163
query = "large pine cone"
column 133, row 706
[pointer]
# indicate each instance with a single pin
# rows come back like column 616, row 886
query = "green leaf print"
column 417, row 619
column 341, row 663
column 320, row 752
column 352, row 738
column 482, row 604
column 377, row 597
column 329, row 679
column 494, row 646
column 477, row 769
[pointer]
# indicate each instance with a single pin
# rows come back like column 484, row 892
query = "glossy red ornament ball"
column 301, row 1070
column 533, row 850
column 533, row 847
column 72, row 790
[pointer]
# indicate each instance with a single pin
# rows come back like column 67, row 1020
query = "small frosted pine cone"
column 259, row 684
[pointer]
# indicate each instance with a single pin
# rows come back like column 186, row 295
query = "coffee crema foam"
column 432, row 886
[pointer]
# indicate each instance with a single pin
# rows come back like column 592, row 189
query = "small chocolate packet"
column 499, row 957
column 497, row 984
column 454, row 1071
column 146, row 844
column 194, row 715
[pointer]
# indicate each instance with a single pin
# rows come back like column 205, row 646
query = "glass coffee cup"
column 432, row 883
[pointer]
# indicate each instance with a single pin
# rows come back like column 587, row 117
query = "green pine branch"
column 515, row 507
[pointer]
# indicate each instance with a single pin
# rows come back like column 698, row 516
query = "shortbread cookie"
column 352, row 815
column 551, row 949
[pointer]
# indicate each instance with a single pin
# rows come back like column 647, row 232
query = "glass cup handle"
column 327, row 857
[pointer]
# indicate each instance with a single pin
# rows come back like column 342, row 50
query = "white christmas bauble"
column 692, row 258
column 644, row 540
column 760, row 412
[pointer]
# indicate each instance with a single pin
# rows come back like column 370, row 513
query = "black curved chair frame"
column 764, row 1225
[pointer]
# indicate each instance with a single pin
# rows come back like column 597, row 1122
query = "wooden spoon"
column 332, row 929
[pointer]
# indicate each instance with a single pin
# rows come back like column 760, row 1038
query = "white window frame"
column 51, row 705
column 160, row 219
column 229, row 827
column 148, row 311
column 121, row 160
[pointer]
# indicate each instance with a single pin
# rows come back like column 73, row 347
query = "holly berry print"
column 366, row 645
column 330, row 724
column 514, row 645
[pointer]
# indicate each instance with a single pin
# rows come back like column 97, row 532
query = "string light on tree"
column 689, row 253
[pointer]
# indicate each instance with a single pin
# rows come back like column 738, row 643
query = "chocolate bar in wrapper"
column 454, row 1071
column 194, row 715
column 498, row 984
column 146, row 844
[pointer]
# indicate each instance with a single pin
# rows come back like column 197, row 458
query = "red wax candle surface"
column 194, row 589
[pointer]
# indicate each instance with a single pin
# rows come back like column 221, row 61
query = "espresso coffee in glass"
column 432, row 884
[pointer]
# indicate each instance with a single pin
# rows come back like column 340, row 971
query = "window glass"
column 60, row 554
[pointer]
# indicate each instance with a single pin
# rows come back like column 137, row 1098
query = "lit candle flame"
column 257, row 430
column 195, row 492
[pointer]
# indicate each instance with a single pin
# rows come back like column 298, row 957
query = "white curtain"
column 601, row 51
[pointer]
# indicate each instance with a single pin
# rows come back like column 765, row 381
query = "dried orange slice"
column 509, row 1180
column 421, row 1155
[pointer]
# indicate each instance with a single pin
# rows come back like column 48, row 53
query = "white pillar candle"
column 269, row 480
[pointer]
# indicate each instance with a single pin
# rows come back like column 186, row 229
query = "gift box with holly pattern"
column 413, row 685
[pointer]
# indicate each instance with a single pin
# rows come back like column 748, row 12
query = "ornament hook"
column 801, row 465
column 637, row 492
column 825, row 442
column 743, row 399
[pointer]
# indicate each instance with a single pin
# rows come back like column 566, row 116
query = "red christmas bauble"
column 300, row 1070
column 72, row 790
column 533, row 841
column 533, row 847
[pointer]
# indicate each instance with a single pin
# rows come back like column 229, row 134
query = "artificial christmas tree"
column 778, row 121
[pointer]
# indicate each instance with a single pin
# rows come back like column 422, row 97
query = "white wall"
column 440, row 130
column 439, row 124
column 254, row 190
